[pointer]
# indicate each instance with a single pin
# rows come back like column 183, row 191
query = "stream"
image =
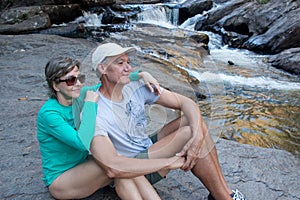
column 246, row 101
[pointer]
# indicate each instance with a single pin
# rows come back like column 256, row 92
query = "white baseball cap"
column 107, row 50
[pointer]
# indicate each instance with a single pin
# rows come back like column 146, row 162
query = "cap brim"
column 122, row 51
column 115, row 52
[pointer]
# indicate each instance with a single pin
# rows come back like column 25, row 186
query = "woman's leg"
column 135, row 189
column 146, row 189
column 127, row 189
column 80, row 181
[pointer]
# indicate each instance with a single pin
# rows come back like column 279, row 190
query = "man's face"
column 119, row 69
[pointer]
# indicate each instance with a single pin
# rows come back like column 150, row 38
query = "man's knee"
column 185, row 133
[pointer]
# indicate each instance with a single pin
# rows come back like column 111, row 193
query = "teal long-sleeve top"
column 63, row 144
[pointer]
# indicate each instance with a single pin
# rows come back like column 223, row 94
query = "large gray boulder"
column 282, row 34
column 191, row 8
column 267, row 28
column 287, row 60
column 34, row 23
column 34, row 18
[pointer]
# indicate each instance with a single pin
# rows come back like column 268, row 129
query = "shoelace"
column 237, row 195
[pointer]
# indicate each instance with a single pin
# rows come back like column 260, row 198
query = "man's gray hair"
column 106, row 61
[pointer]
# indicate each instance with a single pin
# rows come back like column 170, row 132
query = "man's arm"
column 198, row 127
column 117, row 166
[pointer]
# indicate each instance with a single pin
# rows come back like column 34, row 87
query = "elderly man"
column 121, row 145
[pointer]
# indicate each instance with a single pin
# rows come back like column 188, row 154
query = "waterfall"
column 159, row 15
column 173, row 15
column 90, row 19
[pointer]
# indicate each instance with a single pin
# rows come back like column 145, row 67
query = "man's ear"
column 101, row 68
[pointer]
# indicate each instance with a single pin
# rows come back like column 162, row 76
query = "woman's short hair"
column 56, row 68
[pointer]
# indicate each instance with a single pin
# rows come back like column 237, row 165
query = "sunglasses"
column 70, row 81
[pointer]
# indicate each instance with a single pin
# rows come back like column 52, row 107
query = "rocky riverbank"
column 265, row 26
column 260, row 173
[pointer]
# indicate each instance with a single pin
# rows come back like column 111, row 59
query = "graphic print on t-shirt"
column 136, row 114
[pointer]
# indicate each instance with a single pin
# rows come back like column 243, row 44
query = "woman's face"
column 67, row 88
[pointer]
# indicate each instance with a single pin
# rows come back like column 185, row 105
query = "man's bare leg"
column 212, row 153
column 208, row 168
column 210, row 145
column 208, row 149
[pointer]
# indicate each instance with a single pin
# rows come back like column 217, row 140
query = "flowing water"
column 249, row 101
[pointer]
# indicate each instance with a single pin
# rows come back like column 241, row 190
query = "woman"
column 69, row 171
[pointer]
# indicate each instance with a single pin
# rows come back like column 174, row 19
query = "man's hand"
column 151, row 82
column 91, row 96
column 176, row 162
column 191, row 151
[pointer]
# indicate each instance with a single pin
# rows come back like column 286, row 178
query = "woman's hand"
column 91, row 96
column 151, row 82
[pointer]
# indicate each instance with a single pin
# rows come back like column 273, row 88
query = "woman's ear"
column 55, row 87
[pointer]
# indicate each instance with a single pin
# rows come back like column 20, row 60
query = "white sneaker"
column 237, row 195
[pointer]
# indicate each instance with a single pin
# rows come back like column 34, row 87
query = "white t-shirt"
column 125, row 122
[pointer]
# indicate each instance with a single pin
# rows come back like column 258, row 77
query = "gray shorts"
column 155, row 176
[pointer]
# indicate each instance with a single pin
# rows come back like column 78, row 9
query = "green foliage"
column 263, row 1
column 24, row 16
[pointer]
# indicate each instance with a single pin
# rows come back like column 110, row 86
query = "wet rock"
column 288, row 60
column 34, row 23
column 233, row 39
column 62, row 13
column 137, row 1
column 213, row 16
column 33, row 18
column 230, row 62
column 283, row 34
column 69, row 30
column 191, row 8
column 112, row 17
column 19, row 14
column 267, row 28
column 5, row 4
column 201, row 38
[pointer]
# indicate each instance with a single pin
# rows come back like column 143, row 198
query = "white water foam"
column 156, row 15
column 262, row 82
column 90, row 19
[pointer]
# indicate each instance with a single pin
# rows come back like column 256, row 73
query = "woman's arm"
column 59, row 124
column 55, row 124
column 148, row 79
column 88, row 119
